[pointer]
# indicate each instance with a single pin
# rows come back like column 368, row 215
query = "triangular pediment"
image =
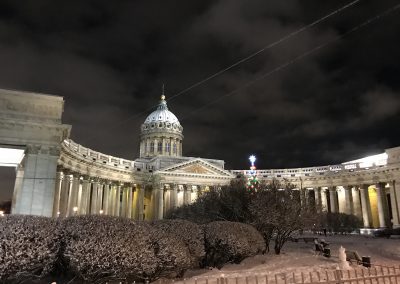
column 196, row 167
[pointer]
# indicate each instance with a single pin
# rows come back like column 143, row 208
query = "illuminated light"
column 75, row 209
column 365, row 165
column 252, row 159
column 101, row 211
column 1, row 213
column 378, row 160
column 11, row 157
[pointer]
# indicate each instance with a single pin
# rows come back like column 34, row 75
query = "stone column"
column 382, row 203
column 187, row 194
column 73, row 197
column 84, row 206
column 117, row 201
column 349, row 208
column 159, row 203
column 124, row 202
column 65, row 189
column 324, row 200
column 333, row 199
column 394, row 204
column 56, row 204
column 140, row 201
column 357, row 202
column 365, row 206
column 36, row 181
column 111, row 203
column 106, row 201
column 130, row 201
column 99, row 206
column 318, row 199
column 94, row 203
column 174, row 196
column 167, row 200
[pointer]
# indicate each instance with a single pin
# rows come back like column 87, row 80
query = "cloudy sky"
column 109, row 59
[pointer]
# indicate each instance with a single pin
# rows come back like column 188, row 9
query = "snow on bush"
column 190, row 233
column 103, row 247
column 231, row 242
column 98, row 247
column 28, row 247
column 172, row 253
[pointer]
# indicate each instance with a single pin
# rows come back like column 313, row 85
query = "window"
column 167, row 148
column 152, row 147
column 159, row 147
column 174, row 148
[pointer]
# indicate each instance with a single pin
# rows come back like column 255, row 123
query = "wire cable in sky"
column 294, row 60
column 286, row 37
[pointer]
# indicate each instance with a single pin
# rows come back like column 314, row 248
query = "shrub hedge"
column 231, row 242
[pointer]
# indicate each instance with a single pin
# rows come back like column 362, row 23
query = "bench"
column 309, row 239
column 353, row 256
column 321, row 247
column 305, row 239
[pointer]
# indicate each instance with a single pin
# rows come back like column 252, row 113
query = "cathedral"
column 58, row 177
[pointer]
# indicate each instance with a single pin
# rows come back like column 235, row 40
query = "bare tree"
column 278, row 212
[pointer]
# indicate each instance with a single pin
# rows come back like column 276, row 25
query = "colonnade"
column 77, row 194
column 377, row 205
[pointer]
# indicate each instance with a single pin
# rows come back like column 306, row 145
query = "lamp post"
column 75, row 209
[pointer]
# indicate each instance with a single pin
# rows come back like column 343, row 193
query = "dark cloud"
column 109, row 59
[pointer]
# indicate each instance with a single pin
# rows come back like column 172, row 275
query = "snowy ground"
column 300, row 257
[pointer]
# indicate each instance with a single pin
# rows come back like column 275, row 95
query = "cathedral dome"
column 162, row 114
column 161, row 133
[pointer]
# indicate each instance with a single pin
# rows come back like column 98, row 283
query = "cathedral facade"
column 58, row 177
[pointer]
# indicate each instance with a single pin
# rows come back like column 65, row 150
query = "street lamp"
column 75, row 209
column 1, row 213
column 101, row 212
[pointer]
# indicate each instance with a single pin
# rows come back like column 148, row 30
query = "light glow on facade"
column 370, row 161
column 11, row 157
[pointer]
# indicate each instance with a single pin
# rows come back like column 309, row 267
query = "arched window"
column 159, row 147
column 152, row 147
column 167, row 148
column 174, row 148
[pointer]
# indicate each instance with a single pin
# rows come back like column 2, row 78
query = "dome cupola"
column 161, row 133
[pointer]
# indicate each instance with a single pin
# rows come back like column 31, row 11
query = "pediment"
column 197, row 167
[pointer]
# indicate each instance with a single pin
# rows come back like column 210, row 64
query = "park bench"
column 305, row 239
column 321, row 247
column 353, row 256
column 309, row 239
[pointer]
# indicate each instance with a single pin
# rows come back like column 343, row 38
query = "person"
column 325, row 232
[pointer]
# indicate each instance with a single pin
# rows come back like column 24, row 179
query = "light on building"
column 75, row 209
column 1, row 213
column 10, row 157
column 101, row 212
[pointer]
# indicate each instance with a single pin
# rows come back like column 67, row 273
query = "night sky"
column 109, row 59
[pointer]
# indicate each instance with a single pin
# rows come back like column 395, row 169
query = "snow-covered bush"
column 98, row 247
column 231, row 242
column 102, row 247
column 29, row 247
column 172, row 254
column 190, row 233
